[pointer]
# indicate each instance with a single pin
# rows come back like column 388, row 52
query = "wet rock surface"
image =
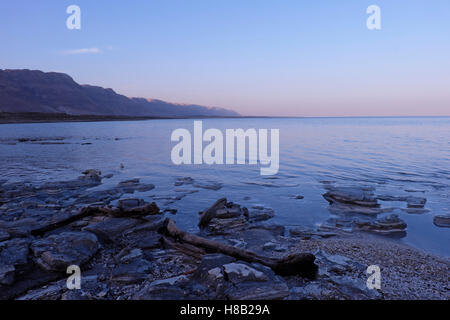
column 118, row 241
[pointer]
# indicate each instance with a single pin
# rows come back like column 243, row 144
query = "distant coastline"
column 38, row 117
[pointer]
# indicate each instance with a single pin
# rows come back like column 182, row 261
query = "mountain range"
column 26, row 91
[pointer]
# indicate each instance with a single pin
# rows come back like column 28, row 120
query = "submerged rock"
column 416, row 202
column 363, row 197
column 389, row 225
column 442, row 221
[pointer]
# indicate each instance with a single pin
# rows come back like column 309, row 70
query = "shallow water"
column 395, row 155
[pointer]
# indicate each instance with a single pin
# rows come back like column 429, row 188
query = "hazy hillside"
column 37, row 91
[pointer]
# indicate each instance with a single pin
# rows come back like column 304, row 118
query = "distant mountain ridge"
column 52, row 92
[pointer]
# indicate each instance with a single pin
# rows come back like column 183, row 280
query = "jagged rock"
column 57, row 252
column 442, row 221
column 13, row 256
column 112, row 229
column 388, row 225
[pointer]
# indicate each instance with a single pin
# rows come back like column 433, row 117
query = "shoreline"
column 128, row 248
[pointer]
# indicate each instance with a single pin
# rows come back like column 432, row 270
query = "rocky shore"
column 128, row 248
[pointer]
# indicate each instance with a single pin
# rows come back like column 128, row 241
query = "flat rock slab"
column 57, row 252
column 112, row 229
column 351, row 195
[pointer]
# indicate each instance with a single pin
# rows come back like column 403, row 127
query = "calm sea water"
column 391, row 154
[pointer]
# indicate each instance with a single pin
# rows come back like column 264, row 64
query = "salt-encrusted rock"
column 442, row 221
column 13, row 256
column 57, row 252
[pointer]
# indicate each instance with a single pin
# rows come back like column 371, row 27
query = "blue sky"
column 258, row 57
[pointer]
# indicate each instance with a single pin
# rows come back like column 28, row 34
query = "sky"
column 257, row 57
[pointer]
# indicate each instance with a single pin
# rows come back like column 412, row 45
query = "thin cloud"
column 83, row 51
